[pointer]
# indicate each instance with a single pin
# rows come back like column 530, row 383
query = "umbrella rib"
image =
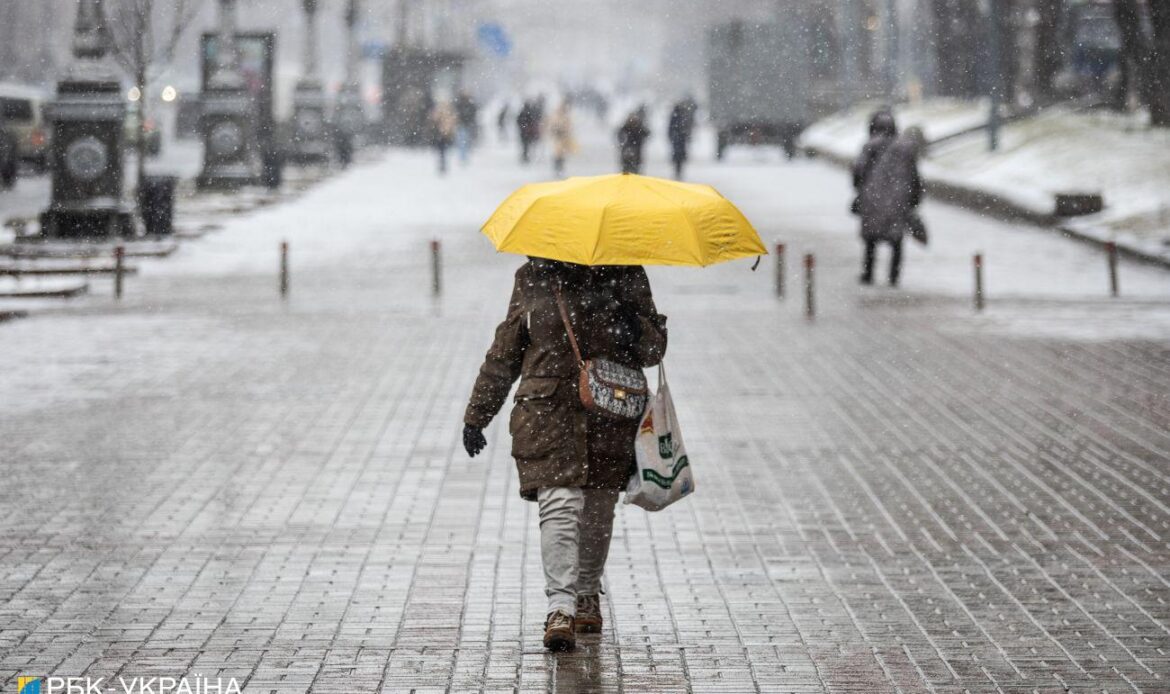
column 516, row 225
column 683, row 210
column 604, row 214
column 600, row 227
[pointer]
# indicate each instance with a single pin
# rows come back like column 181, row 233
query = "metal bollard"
column 780, row 269
column 436, row 268
column 810, row 304
column 283, row 269
column 978, row 281
column 119, row 270
column 1114, row 283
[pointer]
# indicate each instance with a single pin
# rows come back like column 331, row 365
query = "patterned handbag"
column 607, row 388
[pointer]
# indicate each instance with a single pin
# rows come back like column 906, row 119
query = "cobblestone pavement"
column 898, row 496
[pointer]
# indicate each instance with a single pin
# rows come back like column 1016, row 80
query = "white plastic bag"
column 664, row 472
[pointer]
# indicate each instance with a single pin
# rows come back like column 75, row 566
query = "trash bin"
column 156, row 201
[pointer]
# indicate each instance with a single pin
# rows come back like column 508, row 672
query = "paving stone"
column 277, row 493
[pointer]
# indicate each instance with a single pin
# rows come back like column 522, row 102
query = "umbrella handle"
column 757, row 263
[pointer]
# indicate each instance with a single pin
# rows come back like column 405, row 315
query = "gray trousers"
column 575, row 529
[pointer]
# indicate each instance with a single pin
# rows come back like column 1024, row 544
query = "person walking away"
column 343, row 145
column 571, row 462
column 443, row 125
column 502, row 122
column 467, row 112
column 890, row 195
column 631, row 138
column 528, row 128
column 560, row 127
column 678, row 130
column 882, row 130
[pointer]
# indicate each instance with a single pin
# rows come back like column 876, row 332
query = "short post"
column 978, row 281
column 780, row 262
column 1114, row 283
column 436, row 268
column 810, row 304
column 119, row 270
column 283, row 268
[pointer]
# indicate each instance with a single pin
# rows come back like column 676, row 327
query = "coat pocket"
column 540, row 419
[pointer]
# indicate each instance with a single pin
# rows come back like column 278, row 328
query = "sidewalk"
column 1057, row 151
column 899, row 496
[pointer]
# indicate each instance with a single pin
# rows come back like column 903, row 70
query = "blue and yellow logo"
column 28, row 685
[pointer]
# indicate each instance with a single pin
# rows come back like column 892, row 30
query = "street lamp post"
column 231, row 152
column 891, row 53
column 995, row 79
column 850, row 26
column 350, row 117
column 87, row 120
column 310, row 141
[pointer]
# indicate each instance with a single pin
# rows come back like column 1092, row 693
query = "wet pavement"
column 900, row 495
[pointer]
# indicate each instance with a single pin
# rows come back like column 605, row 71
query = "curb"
column 998, row 207
column 6, row 316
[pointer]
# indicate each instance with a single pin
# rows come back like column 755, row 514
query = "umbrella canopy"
column 623, row 219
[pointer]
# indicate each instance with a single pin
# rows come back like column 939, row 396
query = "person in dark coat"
column 879, row 213
column 631, row 138
column 502, row 121
column 467, row 130
column 528, row 126
column 678, row 130
column 573, row 463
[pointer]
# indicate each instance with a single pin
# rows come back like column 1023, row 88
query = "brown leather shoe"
column 559, row 632
column 588, row 614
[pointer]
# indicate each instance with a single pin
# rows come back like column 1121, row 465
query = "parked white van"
column 22, row 114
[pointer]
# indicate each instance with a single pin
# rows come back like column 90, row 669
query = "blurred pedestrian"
column 679, row 130
column 443, row 123
column 572, row 462
column 889, row 190
column 271, row 162
column 502, row 121
column 560, row 128
column 631, row 138
column 528, row 126
column 343, row 145
column 467, row 111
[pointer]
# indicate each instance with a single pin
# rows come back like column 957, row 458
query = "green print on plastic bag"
column 662, row 480
column 665, row 447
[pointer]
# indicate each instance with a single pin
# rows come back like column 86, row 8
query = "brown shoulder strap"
column 568, row 326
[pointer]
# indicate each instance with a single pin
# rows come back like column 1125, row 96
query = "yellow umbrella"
column 623, row 219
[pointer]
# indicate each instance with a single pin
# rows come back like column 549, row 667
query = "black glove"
column 473, row 440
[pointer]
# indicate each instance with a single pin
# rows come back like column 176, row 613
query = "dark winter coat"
column 528, row 122
column 679, row 128
column 631, row 137
column 555, row 441
column 889, row 187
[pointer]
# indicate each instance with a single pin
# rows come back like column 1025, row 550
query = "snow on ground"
column 382, row 213
column 844, row 133
column 1059, row 150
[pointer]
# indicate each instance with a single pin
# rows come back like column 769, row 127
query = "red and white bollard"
column 1114, row 281
column 979, row 300
column 810, row 298
column 119, row 270
column 780, row 270
column 284, row 269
